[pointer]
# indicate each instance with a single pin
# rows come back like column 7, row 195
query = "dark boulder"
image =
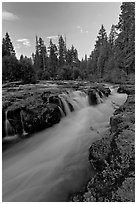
column 32, row 119
column 92, row 97
column 55, row 99
column 35, row 120
column 97, row 91
column 3, row 124
column 128, row 89
column 14, row 118
column 70, row 106
column 100, row 94
column 50, row 115
column 106, row 91
column 98, row 152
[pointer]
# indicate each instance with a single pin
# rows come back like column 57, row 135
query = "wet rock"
column 96, row 92
column 13, row 116
column 92, row 97
column 102, row 90
column 3, row 124
column 100, row 94
column 55, row 99
column 34, row 119
column 99, row 151
column 70, row 106
column 45, row 96
column 106, row 91
column 113, row 157
column 33, row 109
column 115, row 121
column 128, row 89
column 125, row 193
column 50, row 115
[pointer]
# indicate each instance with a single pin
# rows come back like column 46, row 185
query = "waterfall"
column 100, row 100
column 8, row 128
column 81, row 98
column 76, row 99
column 65, row 104
column 23, row 130
column 61, row 111
column 68, row 101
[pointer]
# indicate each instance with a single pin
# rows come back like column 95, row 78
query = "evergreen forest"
column 112, row 60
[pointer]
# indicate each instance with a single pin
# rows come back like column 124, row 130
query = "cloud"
column 8, row 16
column 81, row 29
column 52, row 37
column 17, row 46
column 24, row 41
column 78, row 27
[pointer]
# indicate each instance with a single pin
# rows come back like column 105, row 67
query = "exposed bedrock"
column 28, row 109
column 38, row 119
column 113, row 157
column 128, row 89
column 96, row 93
column 31, row 117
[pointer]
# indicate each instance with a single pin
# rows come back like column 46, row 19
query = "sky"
column 79, row 21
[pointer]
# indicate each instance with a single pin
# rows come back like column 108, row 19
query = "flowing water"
column 23, row 130
column 54, row 163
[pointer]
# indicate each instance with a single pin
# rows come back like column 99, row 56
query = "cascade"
column 61, row 111
column 100, row 100
column 68, row 101
column 77, row 99
column 65, row 104
column 81, row 98
column 8, row 128
column 23, row 130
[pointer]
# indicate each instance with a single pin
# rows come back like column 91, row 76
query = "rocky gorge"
column 113, row 158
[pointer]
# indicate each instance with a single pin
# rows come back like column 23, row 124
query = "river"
column 54, row 163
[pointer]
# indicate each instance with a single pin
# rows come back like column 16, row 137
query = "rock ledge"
column 113, row 157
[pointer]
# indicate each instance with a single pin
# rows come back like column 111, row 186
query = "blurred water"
column 53, row 163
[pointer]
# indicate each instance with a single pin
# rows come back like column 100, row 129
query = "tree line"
column 55, row 61
column 113, row 57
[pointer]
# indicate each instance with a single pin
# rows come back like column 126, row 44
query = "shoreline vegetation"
column 113, row 157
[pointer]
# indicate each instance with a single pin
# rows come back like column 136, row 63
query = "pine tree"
column 53, row 60
column 62, row 51
column 37, row 57
column 99, row 55
column 7, row 46
column 28, row 74
column 125, row 43
column 72, row 57
column 42, row 54
column 10, row 68
column 101, row 38
column 40, row 58
column 112, row 36
column 68, row 57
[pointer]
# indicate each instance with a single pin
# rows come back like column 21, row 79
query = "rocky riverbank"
column 113, row 158
column 27, row 109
